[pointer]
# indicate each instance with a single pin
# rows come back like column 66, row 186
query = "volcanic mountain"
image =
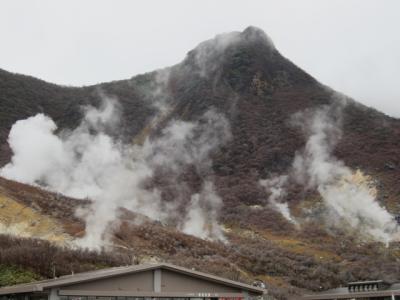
column 306, row 179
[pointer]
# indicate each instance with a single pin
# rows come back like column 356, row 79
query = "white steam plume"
column 347, row 201
column 202, row 215
column 317, row 167
column 276, row 187
column 87, row 162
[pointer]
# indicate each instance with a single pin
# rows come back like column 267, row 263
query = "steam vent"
column 139, row 282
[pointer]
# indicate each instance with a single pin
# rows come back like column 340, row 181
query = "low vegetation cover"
column 26, row 259
column 258, row 92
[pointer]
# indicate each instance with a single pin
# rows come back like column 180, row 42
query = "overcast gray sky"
column 350, row 45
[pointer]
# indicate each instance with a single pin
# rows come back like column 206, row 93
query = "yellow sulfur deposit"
column 359, row 179
column 18, row 219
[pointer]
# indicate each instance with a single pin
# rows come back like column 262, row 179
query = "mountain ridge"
column 258, row 91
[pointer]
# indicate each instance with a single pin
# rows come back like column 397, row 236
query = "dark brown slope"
column 23, row 96
column 250, row 82
column 259, row 91
column 286, row 262
column 246, row 78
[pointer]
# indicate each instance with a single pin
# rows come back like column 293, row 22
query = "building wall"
column 140, row 282
column 177, row 282
column 150, row 281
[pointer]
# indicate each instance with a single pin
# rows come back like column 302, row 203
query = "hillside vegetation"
column 258, row 91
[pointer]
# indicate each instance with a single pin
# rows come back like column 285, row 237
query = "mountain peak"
column 240, row 57
column 236, row 138
column 255, row 34
column 210, row 54
column 223, row 41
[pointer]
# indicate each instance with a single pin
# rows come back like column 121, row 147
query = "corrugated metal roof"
column 111, row 272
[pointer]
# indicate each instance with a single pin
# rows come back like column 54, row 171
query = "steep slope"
column 243, row 77
column 308, row 259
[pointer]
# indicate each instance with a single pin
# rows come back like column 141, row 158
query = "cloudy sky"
column 351, row 45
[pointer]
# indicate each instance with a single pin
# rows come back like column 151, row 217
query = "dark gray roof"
column 343, row 293
column 366, row 282
column 111, row 272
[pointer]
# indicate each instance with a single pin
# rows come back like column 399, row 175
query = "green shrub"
column 10, row 275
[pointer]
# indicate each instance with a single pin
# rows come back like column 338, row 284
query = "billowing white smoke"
column 203, row 208
column 36, row 150
column 86, row 162
column 317, row 167
column 316, row 163
column 276, row 187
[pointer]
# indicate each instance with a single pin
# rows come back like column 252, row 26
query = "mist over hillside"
column 234, row 156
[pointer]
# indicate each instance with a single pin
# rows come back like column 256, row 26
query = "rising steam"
column 88, row 163
column 316, row 167
column 348, row 203
column 204, row 206
column 276, row 187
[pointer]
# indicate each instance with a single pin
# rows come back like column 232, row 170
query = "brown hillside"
column 243, row 76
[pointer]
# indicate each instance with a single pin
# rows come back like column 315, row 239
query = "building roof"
column 344, row 293
column 112, row 272
column 366, row 282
